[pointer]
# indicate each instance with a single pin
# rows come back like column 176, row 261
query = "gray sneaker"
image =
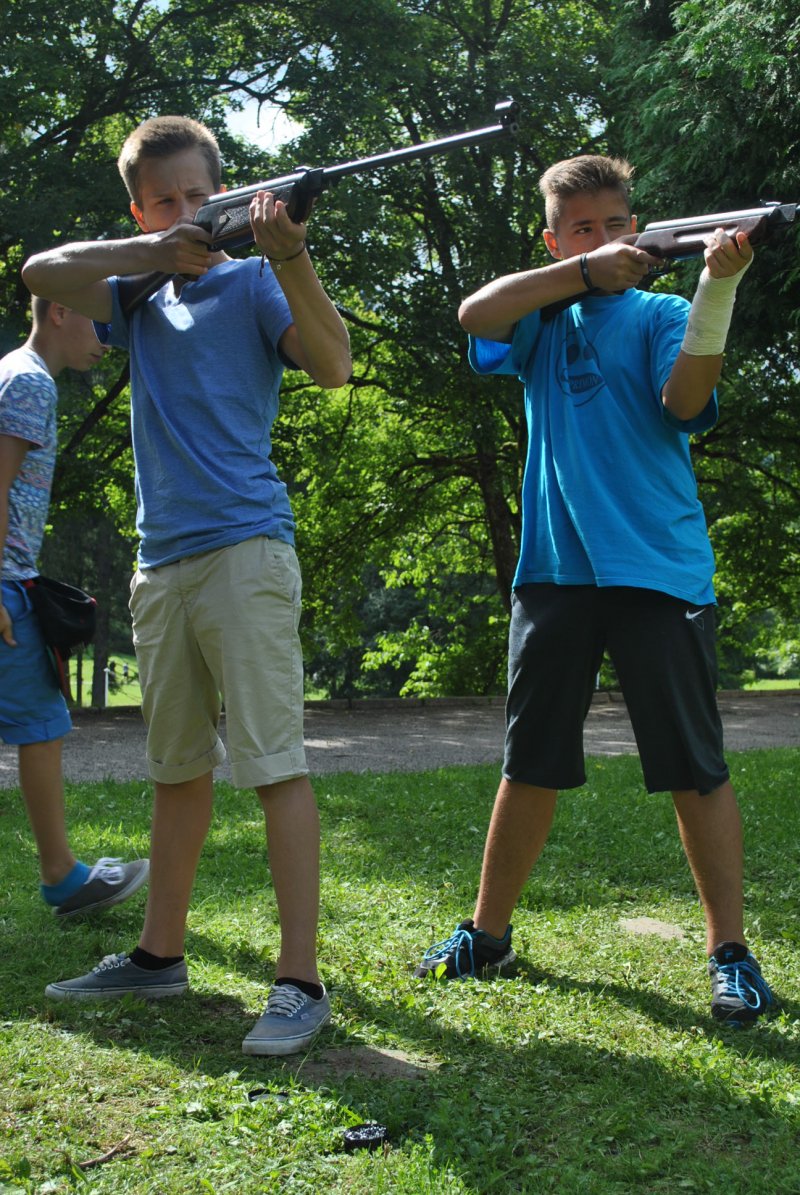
column 117, row 976
column 289, row 1023
column 110, row 882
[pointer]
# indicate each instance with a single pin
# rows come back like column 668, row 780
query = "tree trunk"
column 502, row 524
column 103, row 561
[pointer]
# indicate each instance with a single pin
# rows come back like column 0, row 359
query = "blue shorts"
column 32, row 706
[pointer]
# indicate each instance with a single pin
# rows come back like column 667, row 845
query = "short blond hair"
column 160, row 137
column 585, row 174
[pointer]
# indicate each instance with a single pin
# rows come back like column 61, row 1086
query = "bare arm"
column 12, row 454
column 694, row 376
column 76, row 275
column 494, row 310
column 689, row 387
column 317, row 340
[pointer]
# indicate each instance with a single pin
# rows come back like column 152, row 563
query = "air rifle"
column 226, row 216
column 678, row 240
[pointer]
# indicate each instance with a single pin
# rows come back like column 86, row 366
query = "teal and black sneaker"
column 739, row 992
column 468, row 953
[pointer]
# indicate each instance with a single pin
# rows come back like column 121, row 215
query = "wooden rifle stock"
column 676, row 240
column 226, row 216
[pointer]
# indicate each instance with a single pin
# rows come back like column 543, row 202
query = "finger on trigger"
column 743, row 245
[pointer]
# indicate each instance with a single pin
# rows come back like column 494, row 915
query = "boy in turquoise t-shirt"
column 614, row 555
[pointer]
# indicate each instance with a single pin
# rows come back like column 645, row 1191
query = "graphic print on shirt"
column 579, row 373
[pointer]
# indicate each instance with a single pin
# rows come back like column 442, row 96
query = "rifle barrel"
column 422, row 150
column 225, row 215
column 507, row 126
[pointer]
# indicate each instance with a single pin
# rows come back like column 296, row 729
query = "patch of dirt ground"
column 410, row 735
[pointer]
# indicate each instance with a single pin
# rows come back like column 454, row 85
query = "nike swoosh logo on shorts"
column 693, row 614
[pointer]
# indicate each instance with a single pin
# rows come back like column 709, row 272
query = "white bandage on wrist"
column 710, row 316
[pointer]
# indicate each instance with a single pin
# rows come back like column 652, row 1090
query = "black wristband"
column 280, row 260
column 277, row 262
column 585, row 272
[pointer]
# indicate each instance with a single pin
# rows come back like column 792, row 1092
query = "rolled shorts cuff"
column 270, row 769
column 47, row 730
column 180, row 772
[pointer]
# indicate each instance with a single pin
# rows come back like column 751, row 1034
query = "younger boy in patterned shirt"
column 33, row 713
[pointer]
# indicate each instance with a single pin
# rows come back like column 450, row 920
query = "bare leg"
column 711, row 832
column 42, row 787
column 292, row 823
column 181, row 818
column 521, row 821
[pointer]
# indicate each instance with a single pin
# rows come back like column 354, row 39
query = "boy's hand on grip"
column 276, row 234
column 619, row 265
column 725, row 255
column 181, row 249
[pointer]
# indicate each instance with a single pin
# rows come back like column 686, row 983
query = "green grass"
column 121, row 691
column 596, row 1069
column 762, row 685
column 126, row 692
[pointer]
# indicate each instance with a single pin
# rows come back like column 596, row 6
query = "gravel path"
column 388, row 736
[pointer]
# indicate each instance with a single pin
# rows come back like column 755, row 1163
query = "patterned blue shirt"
column 28, row 400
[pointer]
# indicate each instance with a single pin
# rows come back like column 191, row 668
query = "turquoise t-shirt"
column 205, row 376
column 609, row 495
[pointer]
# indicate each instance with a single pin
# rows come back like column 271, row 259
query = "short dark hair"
column 586, row 174
column 162, row 136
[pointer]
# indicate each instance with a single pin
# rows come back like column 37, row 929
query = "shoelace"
column 110, row 963
column 107, row 869
column 744, row 982
column 461, row 938
column 285, row 1001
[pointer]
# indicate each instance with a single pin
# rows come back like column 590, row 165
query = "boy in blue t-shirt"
column 216, row 597
column 614, row 555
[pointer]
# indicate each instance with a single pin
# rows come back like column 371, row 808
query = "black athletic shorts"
column 664, row 653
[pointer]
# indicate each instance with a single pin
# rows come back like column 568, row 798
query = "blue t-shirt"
column 205, row 376
column 609, row 495
column 28, row 399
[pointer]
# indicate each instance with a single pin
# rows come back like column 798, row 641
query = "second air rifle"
column 226, row 216
column 678, row 240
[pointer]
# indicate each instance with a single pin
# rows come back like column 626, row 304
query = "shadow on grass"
column 488, row 1104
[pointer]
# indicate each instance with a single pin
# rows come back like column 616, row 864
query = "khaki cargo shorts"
column 222, row 627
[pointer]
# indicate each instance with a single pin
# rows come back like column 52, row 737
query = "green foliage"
column 748, row 469
column 704, row 100
column 706, row 104
column 441, row 451
column 74, row 84
column 406, row 483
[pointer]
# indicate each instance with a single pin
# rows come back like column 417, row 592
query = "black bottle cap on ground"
column 365, row 1136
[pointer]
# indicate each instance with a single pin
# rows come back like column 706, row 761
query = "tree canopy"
column 406, row 482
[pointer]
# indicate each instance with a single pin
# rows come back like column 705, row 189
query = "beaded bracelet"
column 277, row 262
